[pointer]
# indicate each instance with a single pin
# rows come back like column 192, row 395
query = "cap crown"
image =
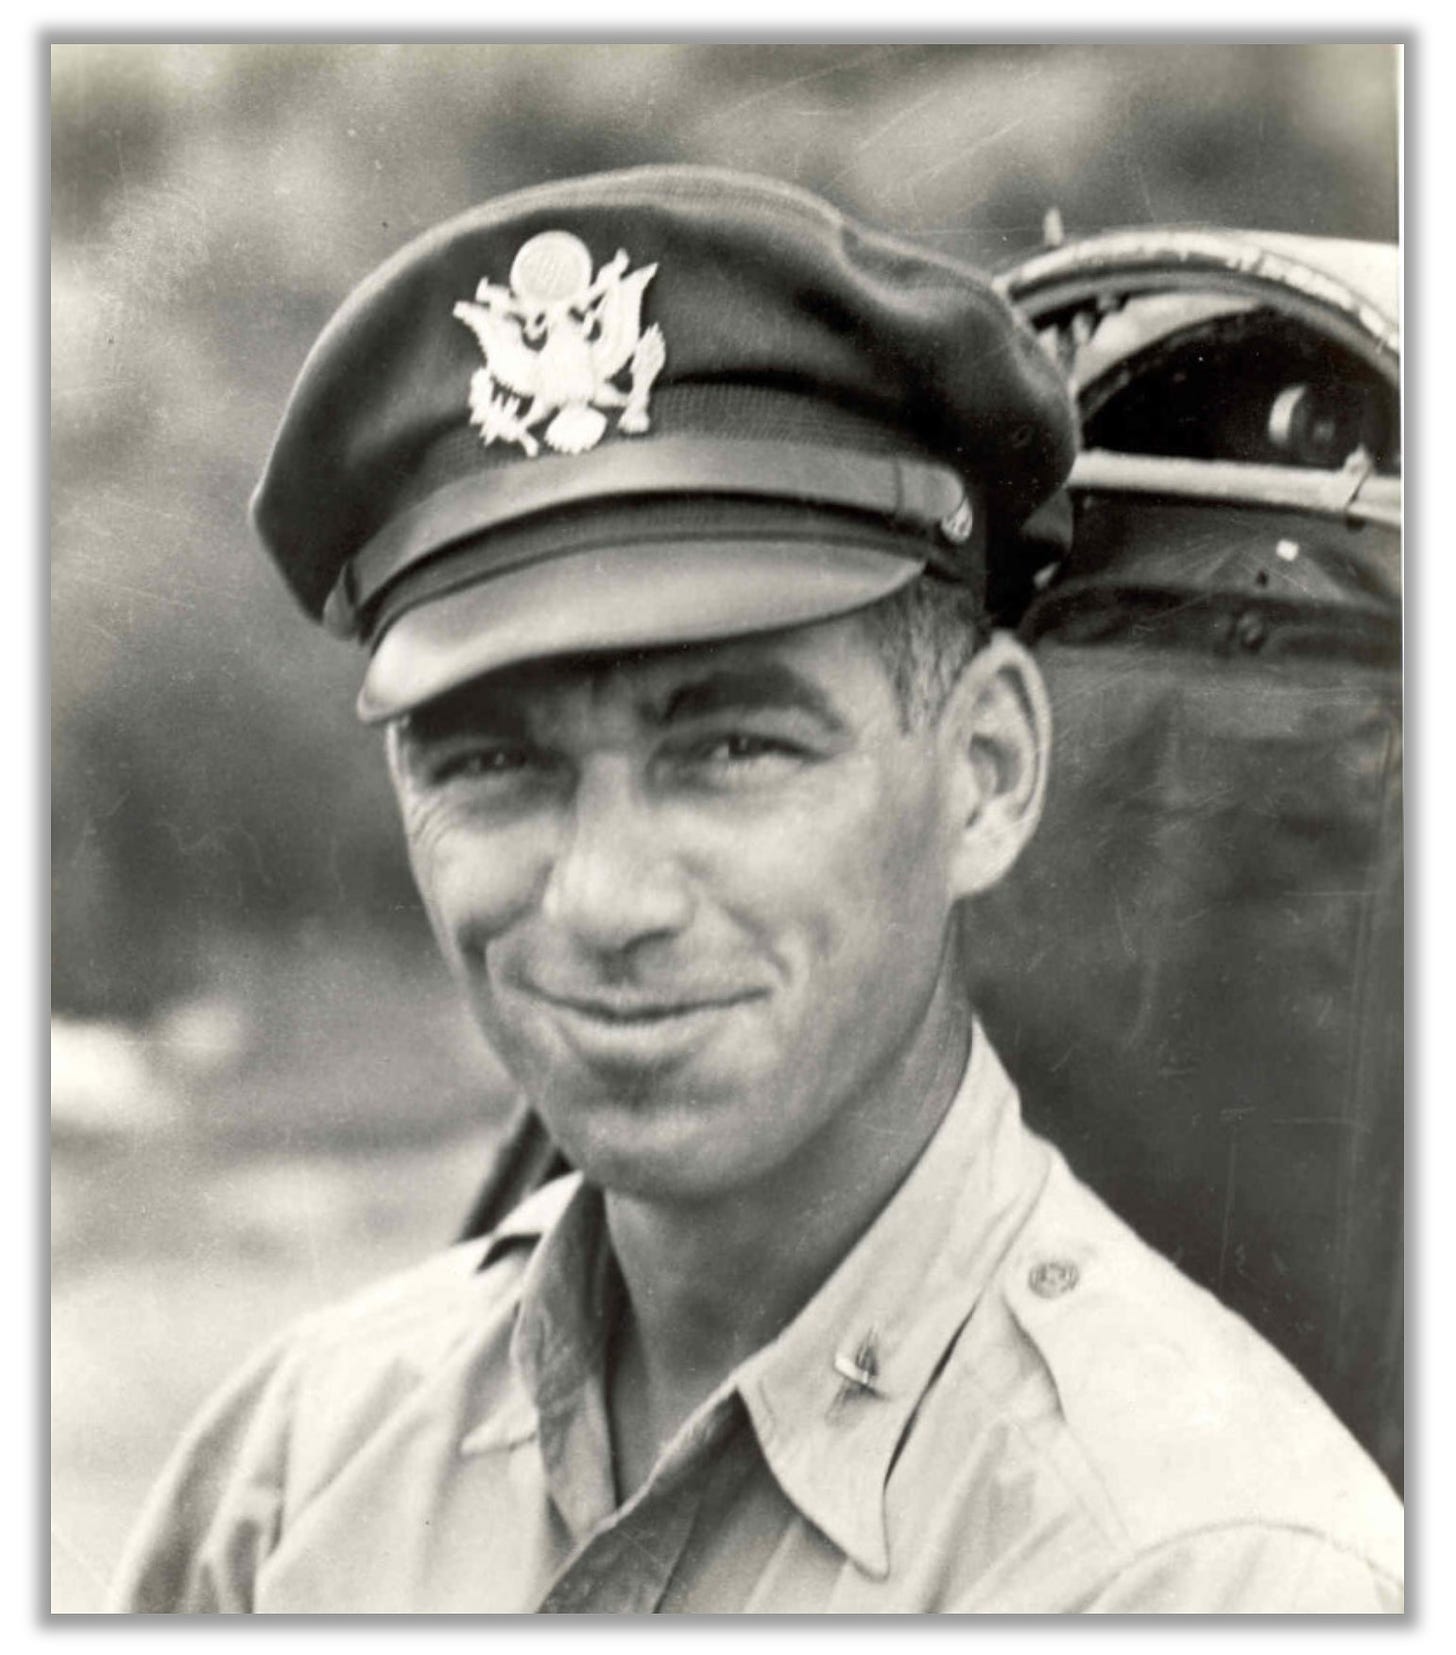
column 781, row 318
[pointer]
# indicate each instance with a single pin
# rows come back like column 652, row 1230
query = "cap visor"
column 633, row 597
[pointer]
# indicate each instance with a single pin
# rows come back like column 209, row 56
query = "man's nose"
column 614, row 880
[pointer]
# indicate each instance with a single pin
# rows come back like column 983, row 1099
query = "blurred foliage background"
column 212, row 204
column 243, row 984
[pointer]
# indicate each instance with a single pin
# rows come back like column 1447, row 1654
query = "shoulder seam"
column 376, row 1307
column 1255, row 1525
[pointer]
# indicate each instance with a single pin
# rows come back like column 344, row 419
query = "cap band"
column 905, row 493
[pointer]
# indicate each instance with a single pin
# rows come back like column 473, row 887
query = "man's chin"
column 644, row 1133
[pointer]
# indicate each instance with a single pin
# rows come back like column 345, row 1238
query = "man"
column 665, row 503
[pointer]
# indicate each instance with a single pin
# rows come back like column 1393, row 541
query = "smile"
column 635, row 1012
column 635, row 1032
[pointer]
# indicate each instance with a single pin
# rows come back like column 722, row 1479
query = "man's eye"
column 480, row 763
column 741, row 755
column 741, row 748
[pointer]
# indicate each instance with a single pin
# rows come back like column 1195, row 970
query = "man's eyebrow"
column 464, row 714
column 770, row 687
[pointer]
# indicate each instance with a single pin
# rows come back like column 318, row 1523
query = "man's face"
column 699, row 900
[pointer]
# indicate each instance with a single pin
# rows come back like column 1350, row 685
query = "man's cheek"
column 469, row 889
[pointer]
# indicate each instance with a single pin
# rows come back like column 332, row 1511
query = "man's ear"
column 394, row 758
column 998, row 729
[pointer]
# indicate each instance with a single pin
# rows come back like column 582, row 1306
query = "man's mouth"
column 642, row 1011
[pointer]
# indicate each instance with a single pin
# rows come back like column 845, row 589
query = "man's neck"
column 709, row 1282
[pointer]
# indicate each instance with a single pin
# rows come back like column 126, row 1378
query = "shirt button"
column 1251, row 631
column 1052, row 1277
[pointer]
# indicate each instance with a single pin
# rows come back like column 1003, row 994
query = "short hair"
column 926, row 633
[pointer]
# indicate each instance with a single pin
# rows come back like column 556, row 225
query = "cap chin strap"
column 903, row 493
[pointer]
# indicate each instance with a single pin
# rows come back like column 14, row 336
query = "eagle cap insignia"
column 555, row 342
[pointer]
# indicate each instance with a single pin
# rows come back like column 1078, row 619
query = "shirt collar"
column 833, row 1395
column 532, row 1218
column 569, row 1299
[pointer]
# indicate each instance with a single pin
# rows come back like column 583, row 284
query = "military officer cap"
column 643, row 408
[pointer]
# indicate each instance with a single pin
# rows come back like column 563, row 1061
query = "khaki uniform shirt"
column 1002, row 1401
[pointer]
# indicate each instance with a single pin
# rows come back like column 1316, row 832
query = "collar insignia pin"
column 862, row 1370
column 958, row 525
column 557, row 339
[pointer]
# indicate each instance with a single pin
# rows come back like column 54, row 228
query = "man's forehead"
column 816, row 669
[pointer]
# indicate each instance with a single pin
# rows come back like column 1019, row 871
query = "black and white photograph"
column 727, row 828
